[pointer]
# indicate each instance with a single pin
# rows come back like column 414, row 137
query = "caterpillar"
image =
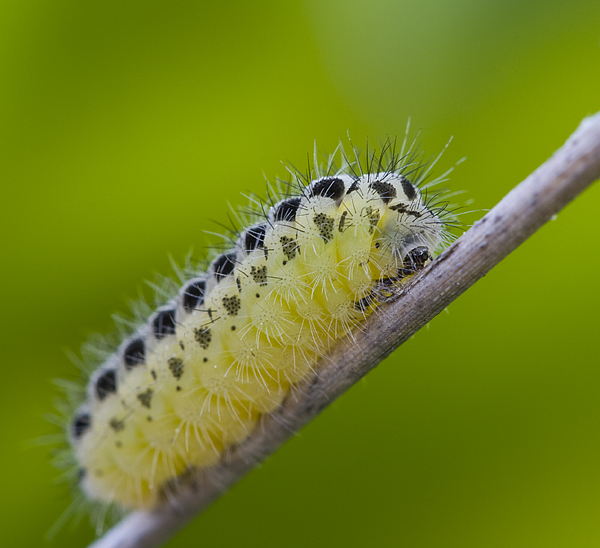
column 196, row 375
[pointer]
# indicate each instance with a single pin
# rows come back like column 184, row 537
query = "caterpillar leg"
column 414, row 261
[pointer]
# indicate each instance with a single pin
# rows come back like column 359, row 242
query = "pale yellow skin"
column 265, row 335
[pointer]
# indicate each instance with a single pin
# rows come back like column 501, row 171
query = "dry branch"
column 525, row 209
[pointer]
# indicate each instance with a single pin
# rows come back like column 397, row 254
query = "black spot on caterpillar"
column 325, row 225
column 289, row 247
column 176, row 367
column 145, row 397
column 386, row 191
column 203, row 337
column 332, row 188
column 135, row 353
column 106, row 384
column 116, row 424
column 193, row 295
column 80, row 424
column 223, row 265
column 255, row 237
column 164, row 323
column 286, row 210
column 409, row 188
column 259, row 274
column 232, row 305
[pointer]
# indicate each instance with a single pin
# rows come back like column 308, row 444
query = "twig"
column 525, row 209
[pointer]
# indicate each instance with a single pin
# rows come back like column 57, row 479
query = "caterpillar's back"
column 196, row 377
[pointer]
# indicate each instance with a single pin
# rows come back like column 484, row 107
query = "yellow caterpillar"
column 197, row 376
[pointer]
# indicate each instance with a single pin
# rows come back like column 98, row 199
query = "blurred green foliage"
column 125, row 127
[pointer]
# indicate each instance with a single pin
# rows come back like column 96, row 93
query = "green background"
column 125, row 127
